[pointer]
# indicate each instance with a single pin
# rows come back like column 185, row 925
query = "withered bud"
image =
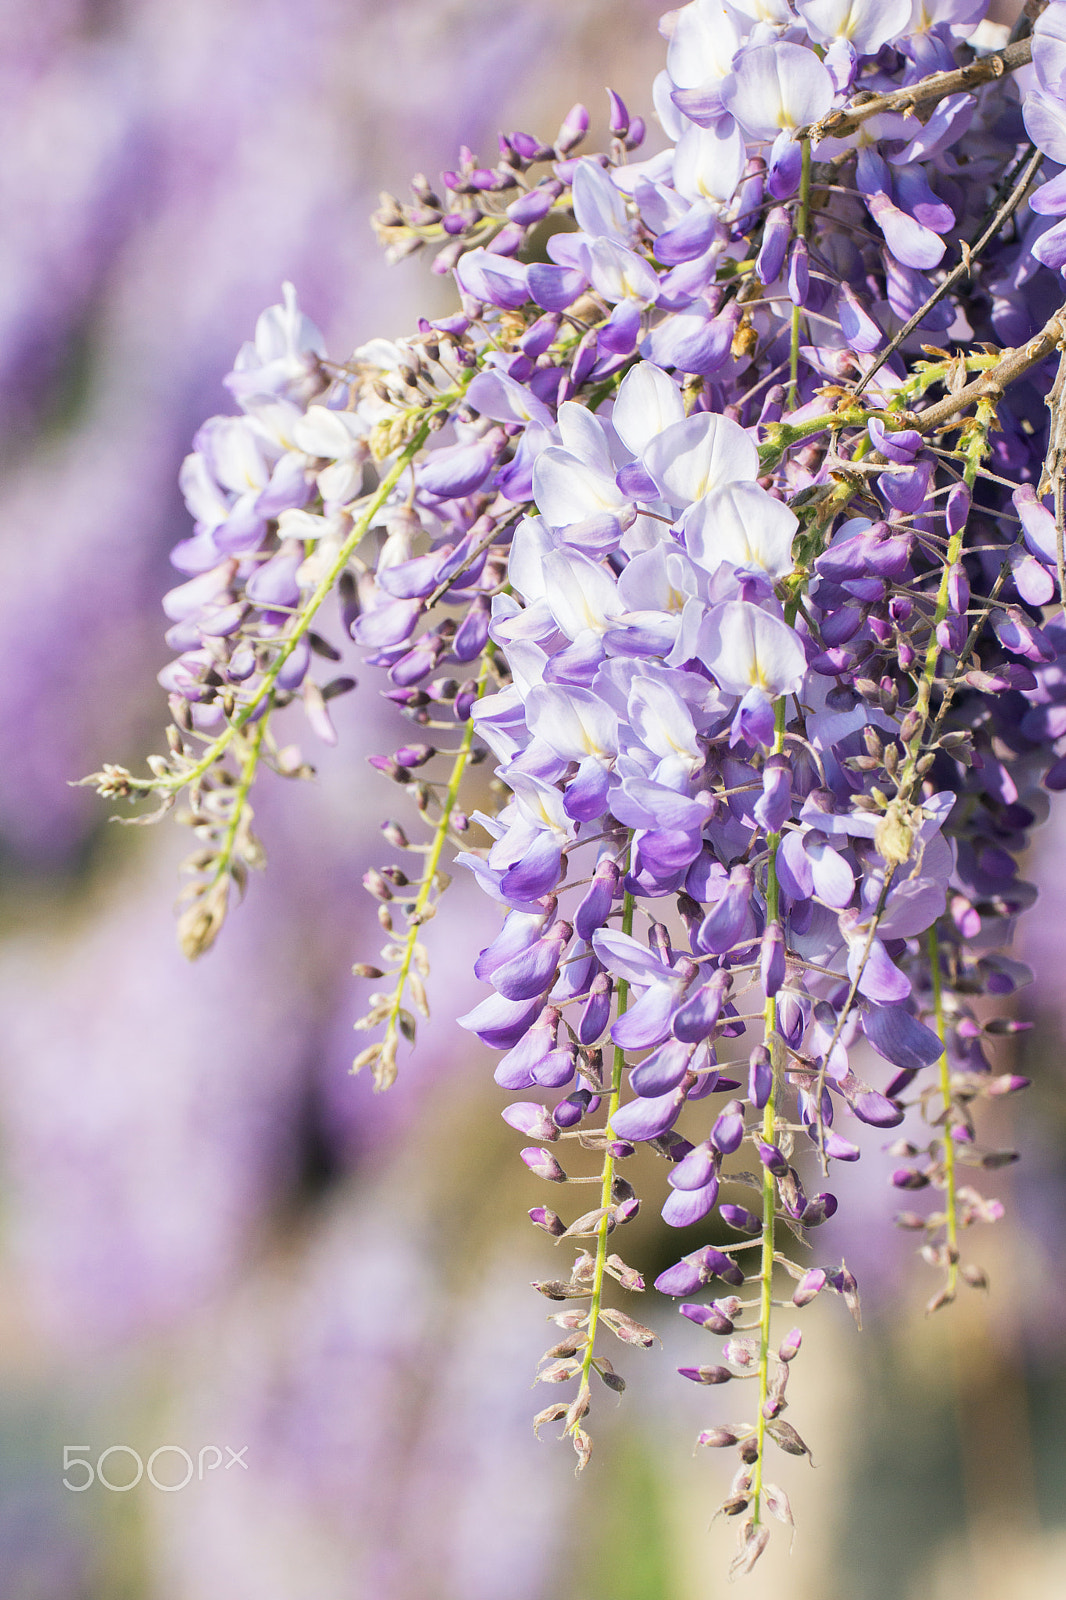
column 584, row 1269
column 199, row 926
column 627, row 1329
column 366, row 1057
column 975, row 1276
column 588, row 1224
column 753, row 1541
column 785, row 1435
column 777, row 1503
column 735, row 1505
column 910, row 1220
column 385, row 1065
column 554, row 1413
column 628, row 1277
column 407, row 1025
column 721, row 1437
column 592, row 1071
column 566, row 1347
column 579, row 1406
column 582, row 1448
column 555, row 1289
column 894, row 836
column 559, row 1372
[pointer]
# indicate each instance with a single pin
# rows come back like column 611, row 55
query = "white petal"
column 648, row 402
column 742, row 525
column 748, row 648
column 693, row 457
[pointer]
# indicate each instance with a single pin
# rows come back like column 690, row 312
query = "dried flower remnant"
column 750, row 592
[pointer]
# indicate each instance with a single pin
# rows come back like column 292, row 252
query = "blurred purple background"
column 211, row 1234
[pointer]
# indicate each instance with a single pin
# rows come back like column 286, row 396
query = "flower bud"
column 541, row 1217
column 543, row 1164
column 740, row 1218
column 531, row 1119
column 789, row 1347
column 811, row 1284
column 727, row 1434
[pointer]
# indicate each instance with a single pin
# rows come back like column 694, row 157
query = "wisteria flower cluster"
column 718, row 513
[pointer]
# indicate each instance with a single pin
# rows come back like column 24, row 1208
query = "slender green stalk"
column 951, row 1213
column 199, row 924
column 607, row 1184
column 769, row 1188
column 907, row 782
column 217, row 748
column 249, row 767
column 385, row 1064
column 801, row 233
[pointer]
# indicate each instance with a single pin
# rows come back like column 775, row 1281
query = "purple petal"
column 683, row 1207
column 646, row 1118
column 900, row 1037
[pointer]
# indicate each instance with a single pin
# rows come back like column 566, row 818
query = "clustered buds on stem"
column 725, row 529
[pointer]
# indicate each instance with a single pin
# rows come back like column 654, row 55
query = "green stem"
column 769, row 1188
column 951, row 1213
column 801, row 233
column 385, row 1067
column 953, row 555
column 249, row 767
column 607, row 1184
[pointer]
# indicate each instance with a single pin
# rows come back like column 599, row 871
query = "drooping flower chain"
column 747, row 590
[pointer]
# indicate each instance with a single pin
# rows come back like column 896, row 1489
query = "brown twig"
column 936, row 87
column 1010, row 366
column 962, row 268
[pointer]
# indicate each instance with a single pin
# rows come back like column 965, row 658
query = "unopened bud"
column 541, row 1217
column 812, row 1283
column 543, row 1164
column 720, row 1438
column 907, row 1178
column 789, row 1347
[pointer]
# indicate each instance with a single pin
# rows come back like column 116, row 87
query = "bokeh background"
column 210, row 1234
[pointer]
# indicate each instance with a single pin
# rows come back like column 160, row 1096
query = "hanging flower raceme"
column 750, row 594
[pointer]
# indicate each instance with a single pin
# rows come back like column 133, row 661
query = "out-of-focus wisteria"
column 212, row 1234
column 162, row 168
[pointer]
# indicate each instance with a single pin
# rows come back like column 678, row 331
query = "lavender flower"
column 751, row 619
